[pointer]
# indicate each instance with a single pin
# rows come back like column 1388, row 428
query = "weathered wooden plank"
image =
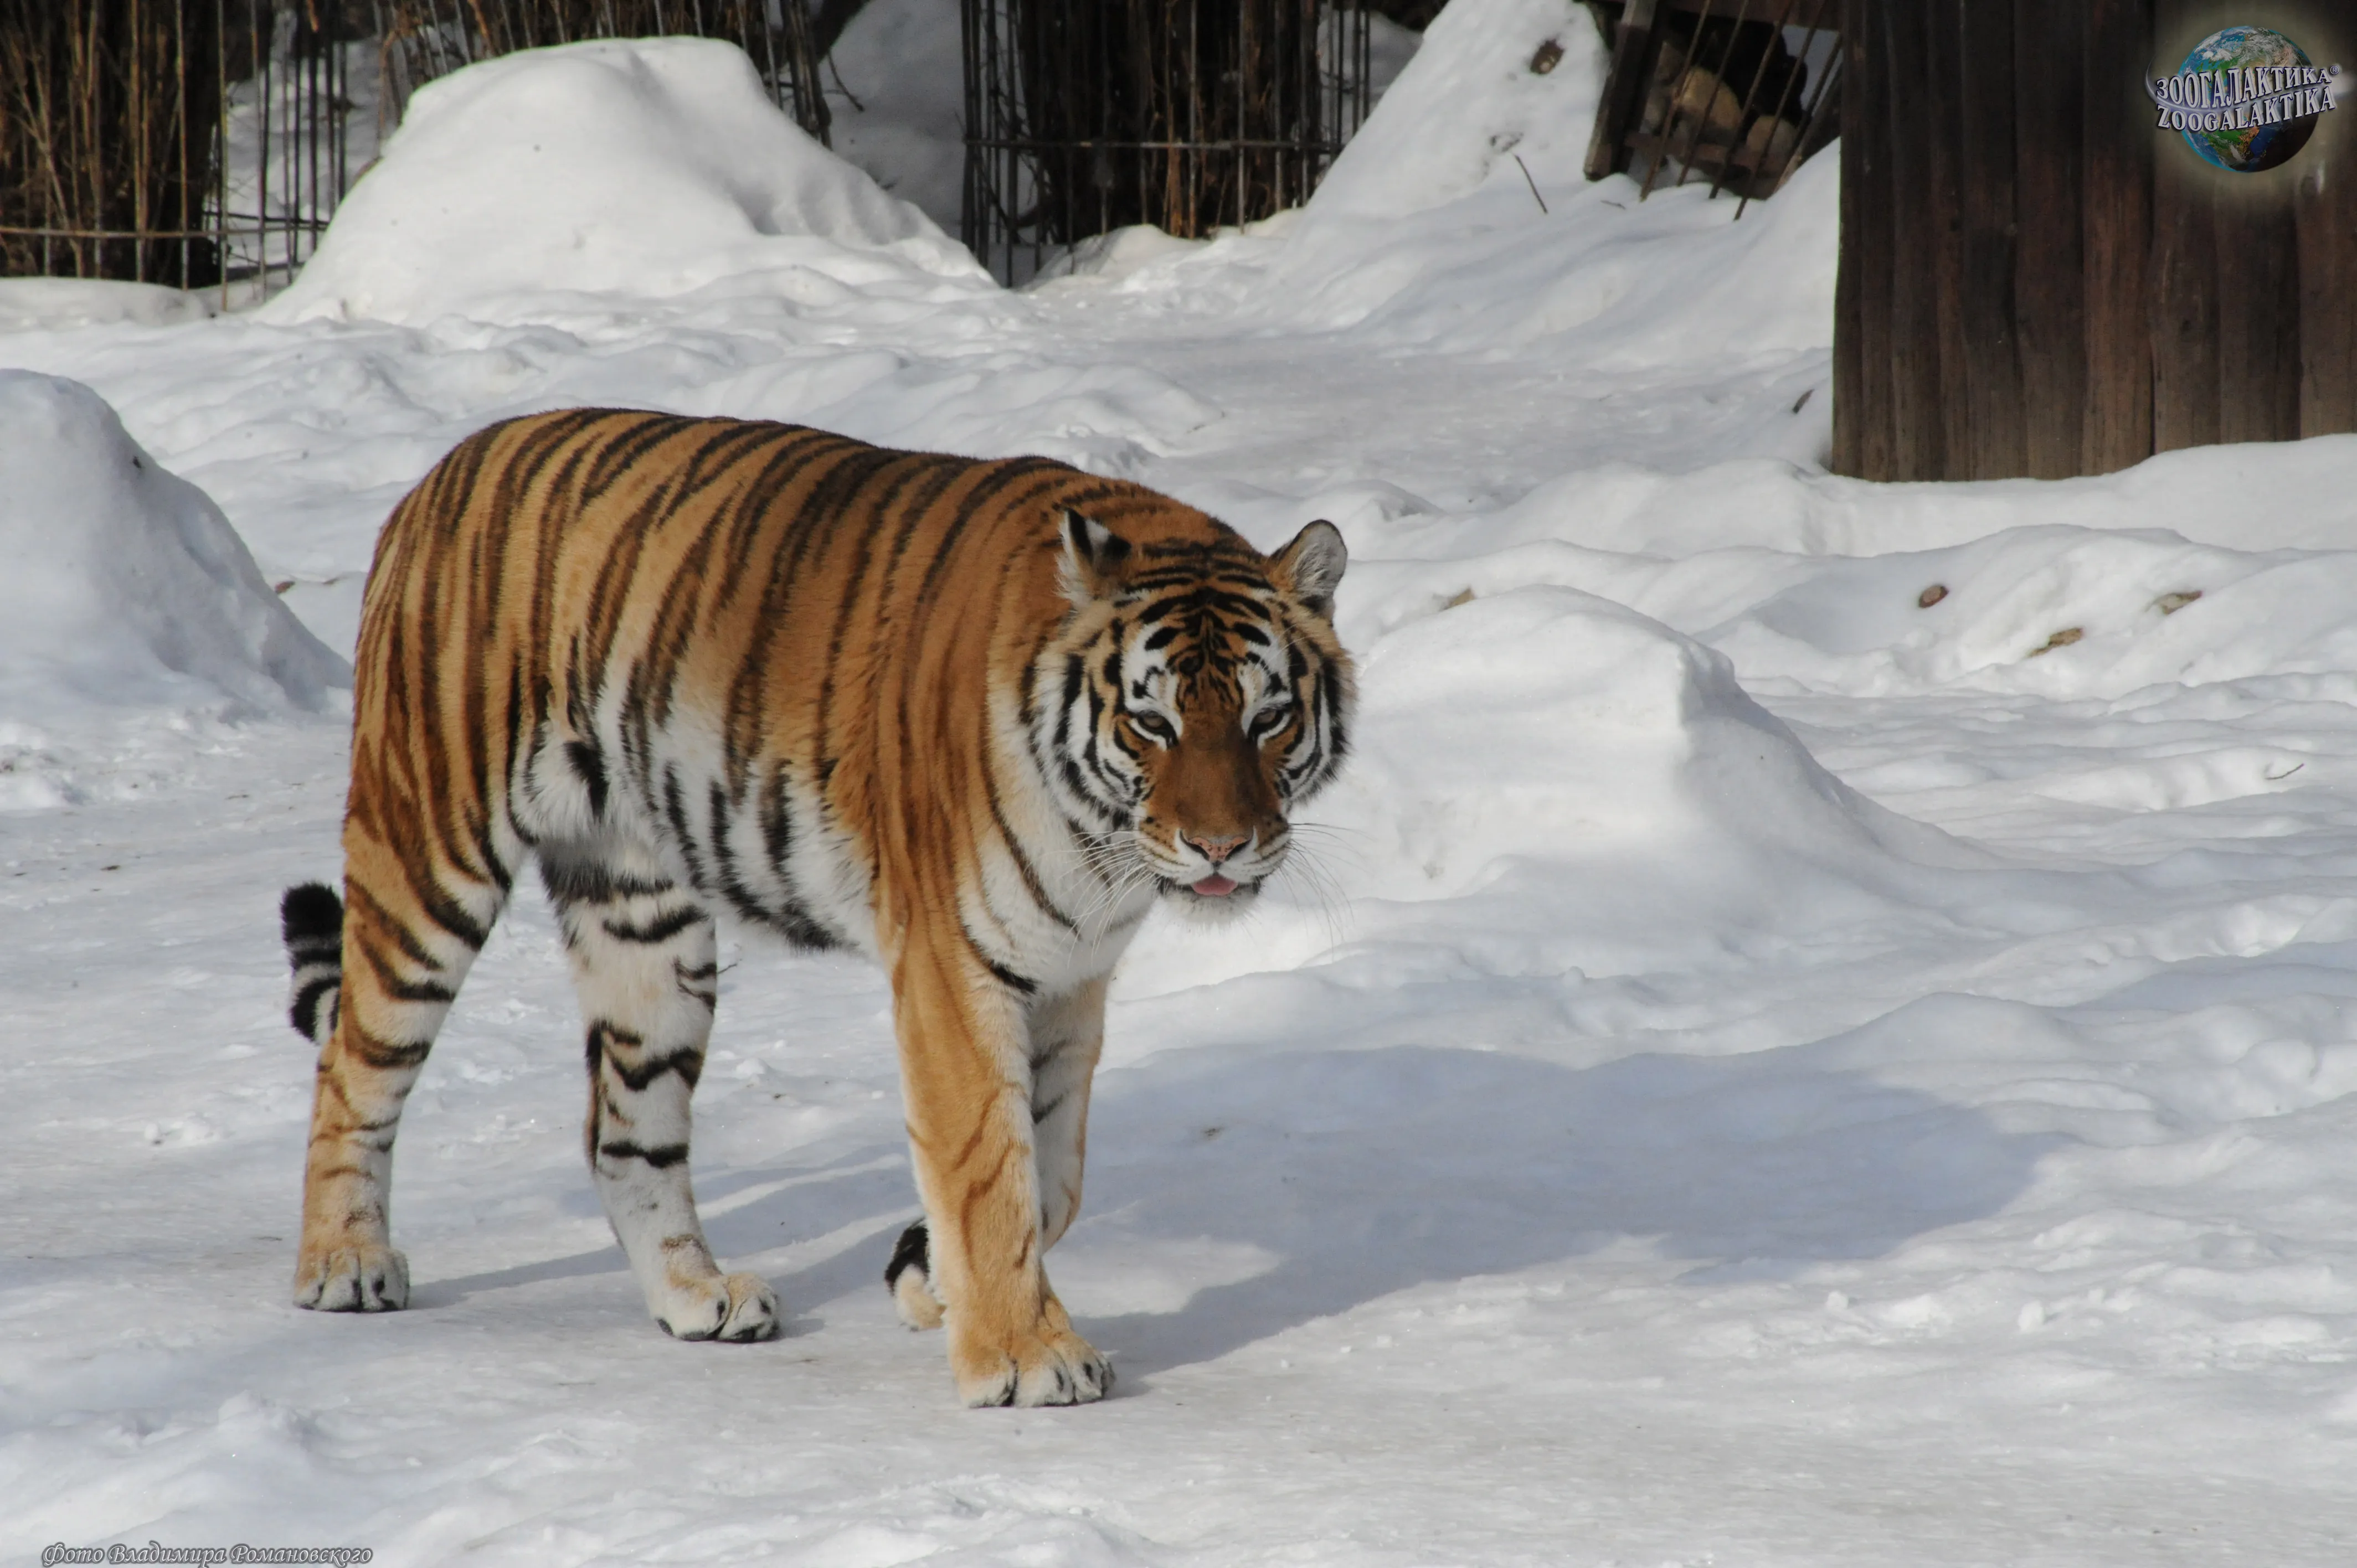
column 2258, row 317
column 1940, row 101
column 1872, row 242
column 1992, row 345
column 1849, row 325
column 2116, row 194
column 2183, row 299
column 2325, row 210
column 1917, row 232
column 2049, row 280
column 1624, row 91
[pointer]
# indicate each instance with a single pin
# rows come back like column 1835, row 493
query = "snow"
column 1762, row 1070
column 650, row 166
column 121, row 587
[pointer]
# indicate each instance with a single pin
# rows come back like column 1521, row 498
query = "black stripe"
column 687, row 1061
column 398, row 986
column 384, row 1054
column 590, row 882
column 590, row 769
column 305, row 1012
column 661, row 1156
column 1006, row 976
column 1023, row 866
column 662, row 928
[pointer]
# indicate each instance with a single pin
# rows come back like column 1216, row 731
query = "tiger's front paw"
column 734, row 1307
column 1051, row 1366
column 365, row 1276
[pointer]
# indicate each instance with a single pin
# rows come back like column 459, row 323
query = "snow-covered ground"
column 1780, row 1064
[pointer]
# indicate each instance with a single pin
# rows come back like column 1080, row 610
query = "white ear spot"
column 1313, row 562
column 1092, row 554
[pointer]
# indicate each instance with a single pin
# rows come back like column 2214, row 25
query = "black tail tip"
column 309, row 912
column 915, row 1251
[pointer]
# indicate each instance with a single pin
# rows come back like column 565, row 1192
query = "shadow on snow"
column 1363, row 1172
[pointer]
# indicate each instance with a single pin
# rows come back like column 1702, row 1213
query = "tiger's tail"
column 311, row 917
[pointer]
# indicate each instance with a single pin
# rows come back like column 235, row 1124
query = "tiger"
column 972, row 718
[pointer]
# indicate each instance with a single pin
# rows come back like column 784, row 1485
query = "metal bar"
column 220, row 146
column 1751, row 93
column 262, row 105
column 1816, row 15
column 1743, row 108
column 1693, row 62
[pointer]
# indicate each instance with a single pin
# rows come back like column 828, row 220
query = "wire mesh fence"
column 205, row 144
column 1083, row 116
column 425, row 38
column 1735, row 92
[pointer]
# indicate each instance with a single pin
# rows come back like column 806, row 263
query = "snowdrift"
column 1459, row 220
column 56, row 303
column 122, row 586
column 2165, row 574
column 649, row 167
column 1467, row 104
column 1584, row 791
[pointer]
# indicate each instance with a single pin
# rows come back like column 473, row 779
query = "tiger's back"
column 852, row 695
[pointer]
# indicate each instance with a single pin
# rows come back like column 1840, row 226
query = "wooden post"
column 2037, row 279
column 1992, row 336
column 1919, row 448
column 1607, row 147
column 2050, row 275
column 2116, row 218
column 1851, row 413
column 2326, row 212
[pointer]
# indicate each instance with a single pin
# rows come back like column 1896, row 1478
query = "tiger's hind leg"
column 645, row 965
column 406, row 935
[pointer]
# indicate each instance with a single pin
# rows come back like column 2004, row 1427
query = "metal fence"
column 205, row 144
column 1086, row 115
column 426, row 38
column 1736, row 93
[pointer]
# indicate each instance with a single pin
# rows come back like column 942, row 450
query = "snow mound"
column 1572, row 773
column 1467, row 104
column 2161, row 574
column 1460, row 219
column 54, row 303
column 122, row 586
column 650, row 167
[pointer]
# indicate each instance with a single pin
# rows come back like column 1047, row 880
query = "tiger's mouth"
column 1213, row 893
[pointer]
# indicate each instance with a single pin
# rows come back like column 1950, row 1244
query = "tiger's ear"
column 1312, row 565
column 1094, row 555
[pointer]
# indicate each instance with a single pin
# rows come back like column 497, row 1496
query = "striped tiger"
column 973, row 719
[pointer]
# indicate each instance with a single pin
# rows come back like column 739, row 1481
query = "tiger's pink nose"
column 1217, row 850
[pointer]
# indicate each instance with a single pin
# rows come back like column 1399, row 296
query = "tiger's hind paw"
column 909, row 1278
column 366, row 1277
column 736, row 1308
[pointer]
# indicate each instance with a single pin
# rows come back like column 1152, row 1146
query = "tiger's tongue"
column 1215, row 886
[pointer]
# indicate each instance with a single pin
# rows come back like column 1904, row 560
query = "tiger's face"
column 1200, row 695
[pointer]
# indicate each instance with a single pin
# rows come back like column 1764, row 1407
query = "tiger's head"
column 1197, row 695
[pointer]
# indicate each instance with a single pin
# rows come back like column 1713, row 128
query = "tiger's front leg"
column 1067, row 1036
column 644, row 963
column 966, row 1076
